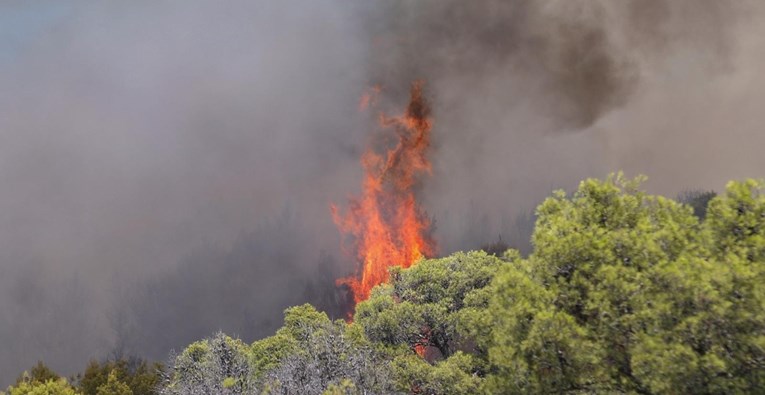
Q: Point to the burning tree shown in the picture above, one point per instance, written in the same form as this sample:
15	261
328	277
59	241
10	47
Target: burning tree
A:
386	223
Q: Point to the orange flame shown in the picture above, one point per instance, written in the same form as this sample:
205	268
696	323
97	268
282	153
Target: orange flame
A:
386	223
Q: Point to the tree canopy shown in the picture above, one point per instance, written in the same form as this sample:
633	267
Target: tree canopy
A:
628	292
48	387
624	292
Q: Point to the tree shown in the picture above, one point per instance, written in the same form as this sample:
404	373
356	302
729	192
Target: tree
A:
624	293
628	292
422	306
218	365
49	387
452	376
434	310
113	386
345	387
311	354
737	223
141	377
735	227
39	372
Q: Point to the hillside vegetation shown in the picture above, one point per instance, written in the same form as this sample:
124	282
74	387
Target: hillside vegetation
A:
624	292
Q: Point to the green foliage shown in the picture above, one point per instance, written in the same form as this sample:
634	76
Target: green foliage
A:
113	386
454	375
299	323
345	387
141	377
267	353
736	227
628	292
436	308
624	293
39	372
49	387
533	348
423	306
218	365
737	222
311	354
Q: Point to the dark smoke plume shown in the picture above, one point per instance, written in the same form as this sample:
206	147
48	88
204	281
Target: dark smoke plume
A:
565	49
535	95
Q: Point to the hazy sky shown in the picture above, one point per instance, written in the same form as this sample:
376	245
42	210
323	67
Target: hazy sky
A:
167	167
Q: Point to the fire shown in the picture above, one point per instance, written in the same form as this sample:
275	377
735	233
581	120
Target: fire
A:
386	223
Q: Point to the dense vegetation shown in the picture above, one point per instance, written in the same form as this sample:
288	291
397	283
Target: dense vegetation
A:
114	376
624	292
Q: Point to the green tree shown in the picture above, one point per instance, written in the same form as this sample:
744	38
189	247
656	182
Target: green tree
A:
49	387
311	354
422	307
114	386
218	365
533	347
141	377
628	292
737	223
40	372
735	226
345	387
624	293
436	310
452	376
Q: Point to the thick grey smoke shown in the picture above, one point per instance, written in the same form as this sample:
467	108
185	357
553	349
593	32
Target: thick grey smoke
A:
531	96
167	168
148	147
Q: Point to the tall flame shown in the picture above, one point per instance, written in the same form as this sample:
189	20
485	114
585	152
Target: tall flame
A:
387	225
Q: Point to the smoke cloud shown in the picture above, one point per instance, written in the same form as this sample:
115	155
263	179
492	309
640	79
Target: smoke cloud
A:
531	96
167	170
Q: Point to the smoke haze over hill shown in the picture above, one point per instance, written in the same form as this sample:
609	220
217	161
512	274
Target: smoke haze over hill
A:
167	170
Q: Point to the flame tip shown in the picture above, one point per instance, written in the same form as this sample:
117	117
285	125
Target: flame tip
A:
388	227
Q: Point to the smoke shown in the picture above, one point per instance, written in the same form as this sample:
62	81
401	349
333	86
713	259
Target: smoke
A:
167	169
532	96
563	49
156	160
